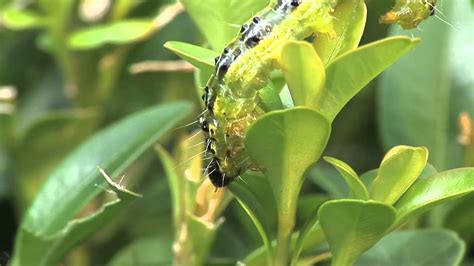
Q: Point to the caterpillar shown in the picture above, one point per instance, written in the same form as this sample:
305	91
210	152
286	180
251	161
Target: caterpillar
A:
231	94
409	13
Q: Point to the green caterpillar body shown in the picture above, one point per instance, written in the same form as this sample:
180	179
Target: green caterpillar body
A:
231	95
409	13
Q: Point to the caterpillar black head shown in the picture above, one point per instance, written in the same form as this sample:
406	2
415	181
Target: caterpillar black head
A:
217	177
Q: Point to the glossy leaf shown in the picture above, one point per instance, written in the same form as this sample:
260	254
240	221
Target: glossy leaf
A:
118	33
199	57
303	71
352	179
400	167
15	19
368	177
285	143
353	226
422	107
416	247
76	181
220	21
426	193
349	23
349	73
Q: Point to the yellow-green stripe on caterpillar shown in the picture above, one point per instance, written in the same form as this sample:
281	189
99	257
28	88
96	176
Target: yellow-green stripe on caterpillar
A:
231	95
409	13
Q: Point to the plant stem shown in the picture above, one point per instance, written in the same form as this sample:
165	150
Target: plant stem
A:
286	223
316	259
58	31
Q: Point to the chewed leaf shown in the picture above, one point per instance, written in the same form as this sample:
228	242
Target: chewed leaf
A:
49	249
349	25
197	56
118	188
76	182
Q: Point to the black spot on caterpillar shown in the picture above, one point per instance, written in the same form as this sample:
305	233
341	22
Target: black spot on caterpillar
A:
409	13
231	94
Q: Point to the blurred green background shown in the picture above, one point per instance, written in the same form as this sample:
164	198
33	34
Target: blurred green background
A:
70	68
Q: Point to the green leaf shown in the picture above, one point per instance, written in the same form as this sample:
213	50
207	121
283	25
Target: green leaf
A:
368	178
270	99
352	179
426	193
421	96
75	182
40	140
117	33
15	19
255	195
304	72
349	23
460	216
176	184
399	169
285	144
329	180
349	73
416	247
353	226
308	206
313	237
199	57
154	250
219	20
